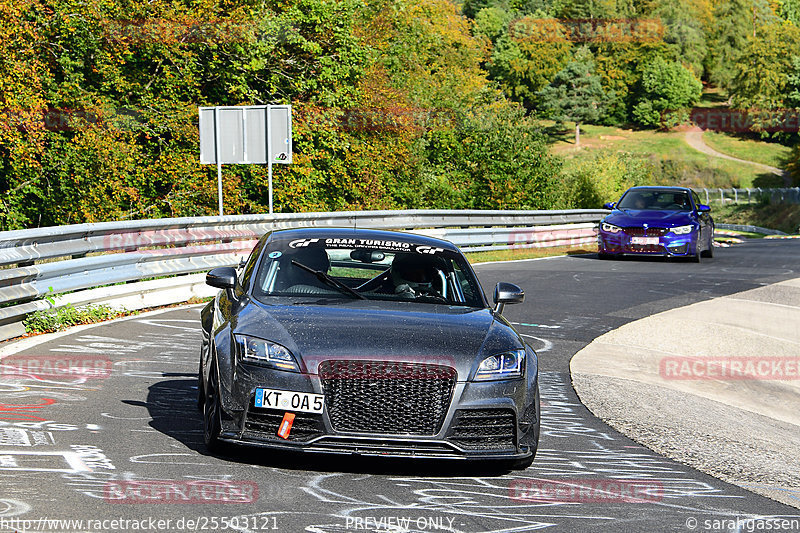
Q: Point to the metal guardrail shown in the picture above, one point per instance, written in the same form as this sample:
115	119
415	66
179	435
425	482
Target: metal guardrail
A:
749	228
106	262
752	195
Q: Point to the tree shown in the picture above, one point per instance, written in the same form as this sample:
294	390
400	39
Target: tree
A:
525	59
734	22
683	31
765	67
575	94
665	86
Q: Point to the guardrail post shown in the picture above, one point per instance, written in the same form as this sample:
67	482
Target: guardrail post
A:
721	197
707	200
735	196
748	195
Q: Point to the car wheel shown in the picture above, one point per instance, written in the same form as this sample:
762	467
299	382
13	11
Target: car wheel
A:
212	412
696	257
710	251
201	392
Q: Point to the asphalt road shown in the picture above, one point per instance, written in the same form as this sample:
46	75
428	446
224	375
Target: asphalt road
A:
123	442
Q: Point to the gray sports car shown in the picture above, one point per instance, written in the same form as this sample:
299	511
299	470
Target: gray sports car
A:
365	342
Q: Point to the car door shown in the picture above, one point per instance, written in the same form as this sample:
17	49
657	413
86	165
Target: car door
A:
703	218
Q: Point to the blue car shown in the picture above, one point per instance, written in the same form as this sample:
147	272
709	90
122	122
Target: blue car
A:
665	221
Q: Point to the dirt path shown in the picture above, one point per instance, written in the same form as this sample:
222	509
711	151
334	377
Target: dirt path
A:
694	138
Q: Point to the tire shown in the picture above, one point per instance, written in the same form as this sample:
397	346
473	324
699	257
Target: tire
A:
710	251
212	412
201	390
696	257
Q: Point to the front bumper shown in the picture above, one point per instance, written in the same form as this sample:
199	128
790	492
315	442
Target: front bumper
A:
669	244
483	420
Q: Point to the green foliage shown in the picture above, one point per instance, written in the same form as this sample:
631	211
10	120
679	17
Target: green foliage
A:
664	87
495	159
766	66
66	316
523	64
602	179
492	22
575	94
684	32
734	22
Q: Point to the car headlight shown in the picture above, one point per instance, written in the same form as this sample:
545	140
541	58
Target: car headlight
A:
683	230
267	353
502	366
611	228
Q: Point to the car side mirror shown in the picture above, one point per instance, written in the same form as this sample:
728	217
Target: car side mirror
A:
609	205
222	278
507	293
701	208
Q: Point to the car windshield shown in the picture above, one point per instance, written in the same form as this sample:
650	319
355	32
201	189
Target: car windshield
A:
656	200
364	269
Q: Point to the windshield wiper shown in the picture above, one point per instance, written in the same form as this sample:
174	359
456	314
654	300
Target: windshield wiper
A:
331	282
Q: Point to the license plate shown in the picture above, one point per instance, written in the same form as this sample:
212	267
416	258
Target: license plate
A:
286	400
644	240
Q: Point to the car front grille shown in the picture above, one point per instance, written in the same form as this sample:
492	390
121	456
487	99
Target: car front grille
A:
387	397
645	232
264	424
483	429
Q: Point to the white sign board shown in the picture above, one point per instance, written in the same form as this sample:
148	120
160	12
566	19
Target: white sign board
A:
246	135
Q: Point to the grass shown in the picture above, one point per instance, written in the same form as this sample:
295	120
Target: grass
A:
656	146
783	217
744	147
67	316
528	253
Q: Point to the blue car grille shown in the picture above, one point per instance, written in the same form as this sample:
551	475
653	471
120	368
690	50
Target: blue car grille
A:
387	397
645	232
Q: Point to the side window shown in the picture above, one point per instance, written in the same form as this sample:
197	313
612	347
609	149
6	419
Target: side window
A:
696	198
251	264
466	289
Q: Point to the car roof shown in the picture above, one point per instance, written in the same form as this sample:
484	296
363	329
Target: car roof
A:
358	233
659	188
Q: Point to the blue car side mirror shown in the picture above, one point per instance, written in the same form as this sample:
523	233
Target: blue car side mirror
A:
609	205
701	208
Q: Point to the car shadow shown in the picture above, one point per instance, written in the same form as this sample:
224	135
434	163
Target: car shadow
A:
172	405
638	258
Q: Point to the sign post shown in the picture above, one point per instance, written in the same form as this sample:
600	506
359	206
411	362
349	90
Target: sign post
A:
245	135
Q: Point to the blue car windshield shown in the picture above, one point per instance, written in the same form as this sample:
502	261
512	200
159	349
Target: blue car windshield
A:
662	200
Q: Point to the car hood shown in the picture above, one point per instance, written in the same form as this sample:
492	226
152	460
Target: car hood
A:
633	217
429	333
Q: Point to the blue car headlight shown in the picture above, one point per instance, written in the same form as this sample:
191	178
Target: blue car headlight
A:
253	350
611	228
683	230
502	366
